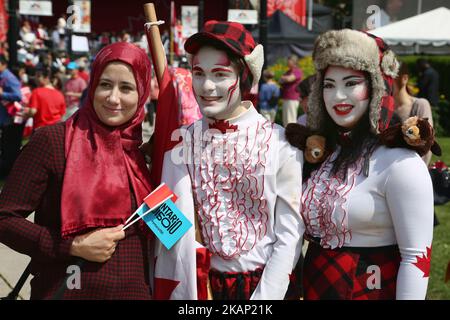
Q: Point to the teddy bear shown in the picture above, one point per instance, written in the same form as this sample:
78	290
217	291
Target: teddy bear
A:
414	133
315	151
313	146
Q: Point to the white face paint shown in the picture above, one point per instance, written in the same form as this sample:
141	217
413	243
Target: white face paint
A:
346	95
215	81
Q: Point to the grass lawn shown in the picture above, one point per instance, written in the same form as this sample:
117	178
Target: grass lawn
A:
437	289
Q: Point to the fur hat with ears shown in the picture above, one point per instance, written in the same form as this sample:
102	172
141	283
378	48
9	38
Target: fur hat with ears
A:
358	51
233	36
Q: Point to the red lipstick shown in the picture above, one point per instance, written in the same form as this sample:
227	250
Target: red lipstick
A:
343	109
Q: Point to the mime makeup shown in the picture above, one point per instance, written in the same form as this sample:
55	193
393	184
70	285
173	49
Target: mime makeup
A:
346	95
215	82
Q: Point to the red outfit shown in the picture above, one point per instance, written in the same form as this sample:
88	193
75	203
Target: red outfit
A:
341	274
50	106
35	184
97	184
78	176
84	75
76	85
289	89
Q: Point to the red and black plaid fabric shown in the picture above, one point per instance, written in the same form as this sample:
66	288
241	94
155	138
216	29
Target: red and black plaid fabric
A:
232	34
342	274
387	102
34	184
234	285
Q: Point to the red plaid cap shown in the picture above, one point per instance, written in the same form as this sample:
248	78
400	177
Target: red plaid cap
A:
231	34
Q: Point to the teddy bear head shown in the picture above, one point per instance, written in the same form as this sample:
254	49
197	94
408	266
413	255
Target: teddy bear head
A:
315	149
412	133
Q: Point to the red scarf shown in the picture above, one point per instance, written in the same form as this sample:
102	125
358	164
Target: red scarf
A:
104	163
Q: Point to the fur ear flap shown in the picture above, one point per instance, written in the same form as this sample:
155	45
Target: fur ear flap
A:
296	135
389	64
255	62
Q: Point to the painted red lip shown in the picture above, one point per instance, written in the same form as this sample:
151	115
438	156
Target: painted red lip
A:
343	109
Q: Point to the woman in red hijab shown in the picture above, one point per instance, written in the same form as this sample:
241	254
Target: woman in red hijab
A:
84	178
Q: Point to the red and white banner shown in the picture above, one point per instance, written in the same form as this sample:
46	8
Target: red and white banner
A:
3	21
294	9
177	31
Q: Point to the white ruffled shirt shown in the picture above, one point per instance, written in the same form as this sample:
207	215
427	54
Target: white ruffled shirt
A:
393	205
246	183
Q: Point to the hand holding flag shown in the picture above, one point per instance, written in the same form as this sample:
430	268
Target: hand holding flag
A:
166	221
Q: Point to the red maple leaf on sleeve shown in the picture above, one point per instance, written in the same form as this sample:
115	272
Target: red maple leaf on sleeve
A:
423	263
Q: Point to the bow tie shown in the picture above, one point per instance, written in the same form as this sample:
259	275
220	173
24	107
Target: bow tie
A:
223	126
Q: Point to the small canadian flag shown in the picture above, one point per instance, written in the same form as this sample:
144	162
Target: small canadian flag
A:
159	195
153	200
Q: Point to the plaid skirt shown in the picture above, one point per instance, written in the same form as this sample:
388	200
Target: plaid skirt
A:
234	285
350	273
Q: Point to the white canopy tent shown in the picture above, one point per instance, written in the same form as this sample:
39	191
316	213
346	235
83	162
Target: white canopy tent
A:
427	33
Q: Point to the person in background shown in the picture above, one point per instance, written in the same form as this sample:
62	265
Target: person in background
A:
428	82
27	85
47	105
268	96
56	81
10	126
408	106
153	101
125	37
26	33
390	11
304	88
73	89
82	71
289	82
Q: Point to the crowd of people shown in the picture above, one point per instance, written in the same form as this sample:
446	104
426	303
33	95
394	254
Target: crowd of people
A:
47	86
253	190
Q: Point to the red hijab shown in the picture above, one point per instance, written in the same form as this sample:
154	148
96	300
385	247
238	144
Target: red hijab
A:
104	163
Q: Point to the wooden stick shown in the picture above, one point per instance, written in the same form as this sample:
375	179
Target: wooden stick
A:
154	42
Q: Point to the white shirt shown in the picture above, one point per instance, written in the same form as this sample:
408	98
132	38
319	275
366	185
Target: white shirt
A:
247	184
393	205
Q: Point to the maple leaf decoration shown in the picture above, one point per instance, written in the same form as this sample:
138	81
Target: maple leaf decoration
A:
423	263
223	126
163	287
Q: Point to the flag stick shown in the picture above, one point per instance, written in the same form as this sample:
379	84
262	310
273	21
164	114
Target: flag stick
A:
159	187
154	42
147	212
